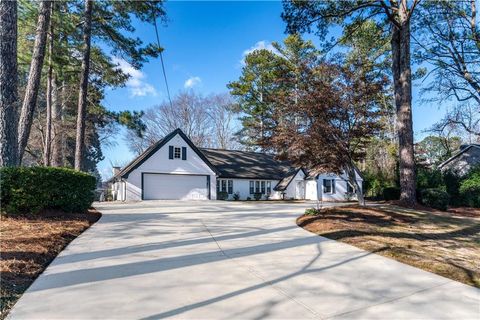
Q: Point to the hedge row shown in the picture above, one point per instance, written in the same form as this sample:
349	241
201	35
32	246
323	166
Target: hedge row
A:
32	189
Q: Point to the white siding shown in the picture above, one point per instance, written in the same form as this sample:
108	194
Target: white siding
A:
311	190
340	187
160	163
242	186
291	191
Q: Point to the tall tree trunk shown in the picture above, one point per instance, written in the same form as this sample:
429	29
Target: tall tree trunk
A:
402	78
82	96
57	128
8	83
34	76
50	85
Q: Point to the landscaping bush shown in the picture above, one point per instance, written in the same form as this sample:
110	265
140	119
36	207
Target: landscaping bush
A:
257	196
391	193
311	212
470	188
452	186
236	196
429	178
32	189
222	195
435	198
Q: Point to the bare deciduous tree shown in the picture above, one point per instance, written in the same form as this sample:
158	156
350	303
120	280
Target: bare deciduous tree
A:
448	37
463	120
223	120
207	121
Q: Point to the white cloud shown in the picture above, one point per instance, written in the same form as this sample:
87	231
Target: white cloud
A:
136	84
192	82
264	44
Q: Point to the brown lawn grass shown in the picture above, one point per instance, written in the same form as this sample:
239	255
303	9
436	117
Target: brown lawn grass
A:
29	244
447	244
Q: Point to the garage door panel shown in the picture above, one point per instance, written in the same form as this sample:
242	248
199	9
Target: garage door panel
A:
174	187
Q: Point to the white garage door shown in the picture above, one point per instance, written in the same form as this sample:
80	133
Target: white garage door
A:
174	187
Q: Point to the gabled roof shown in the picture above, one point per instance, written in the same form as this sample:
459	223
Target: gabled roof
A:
247	165
155	147
285	182
460	152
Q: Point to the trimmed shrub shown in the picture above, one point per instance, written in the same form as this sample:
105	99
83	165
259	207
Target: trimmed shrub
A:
452	186
257	196
32	189
435	198
311	212
236	196
470	189
391	193
429	178
222	195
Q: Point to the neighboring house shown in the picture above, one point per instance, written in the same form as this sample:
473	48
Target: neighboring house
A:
467	157
174	168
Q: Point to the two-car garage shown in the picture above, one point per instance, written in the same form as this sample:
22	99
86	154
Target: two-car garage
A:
160	186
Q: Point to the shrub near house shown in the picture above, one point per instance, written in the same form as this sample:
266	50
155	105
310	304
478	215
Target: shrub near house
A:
470	188
32	189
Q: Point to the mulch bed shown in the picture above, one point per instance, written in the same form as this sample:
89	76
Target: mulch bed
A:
29	243
446	243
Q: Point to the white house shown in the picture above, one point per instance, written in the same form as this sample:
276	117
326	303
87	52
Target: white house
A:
174	168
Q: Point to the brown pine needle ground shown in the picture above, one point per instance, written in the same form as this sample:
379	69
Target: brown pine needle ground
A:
447	244
29	244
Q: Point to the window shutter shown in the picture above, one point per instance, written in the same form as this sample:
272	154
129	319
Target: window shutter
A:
170	152
333	185
184	153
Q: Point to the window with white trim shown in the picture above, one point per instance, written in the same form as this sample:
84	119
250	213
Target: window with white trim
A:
260	186
224	185
329	186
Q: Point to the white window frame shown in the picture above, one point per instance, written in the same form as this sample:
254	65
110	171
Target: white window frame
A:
175	149
260	186
223	185
332	186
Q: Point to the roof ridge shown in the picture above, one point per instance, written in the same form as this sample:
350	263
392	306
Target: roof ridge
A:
246	151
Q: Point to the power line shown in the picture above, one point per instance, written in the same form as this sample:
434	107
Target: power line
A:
161	57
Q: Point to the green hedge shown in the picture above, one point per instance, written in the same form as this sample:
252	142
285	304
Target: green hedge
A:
470	189
435	198
32	189
222	195
391	193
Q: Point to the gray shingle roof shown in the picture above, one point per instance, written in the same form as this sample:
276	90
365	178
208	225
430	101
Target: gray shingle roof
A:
245	164
283	184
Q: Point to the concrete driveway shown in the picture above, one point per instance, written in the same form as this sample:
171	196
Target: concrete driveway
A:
224	260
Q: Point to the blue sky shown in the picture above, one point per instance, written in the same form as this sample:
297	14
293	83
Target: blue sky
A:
204	44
